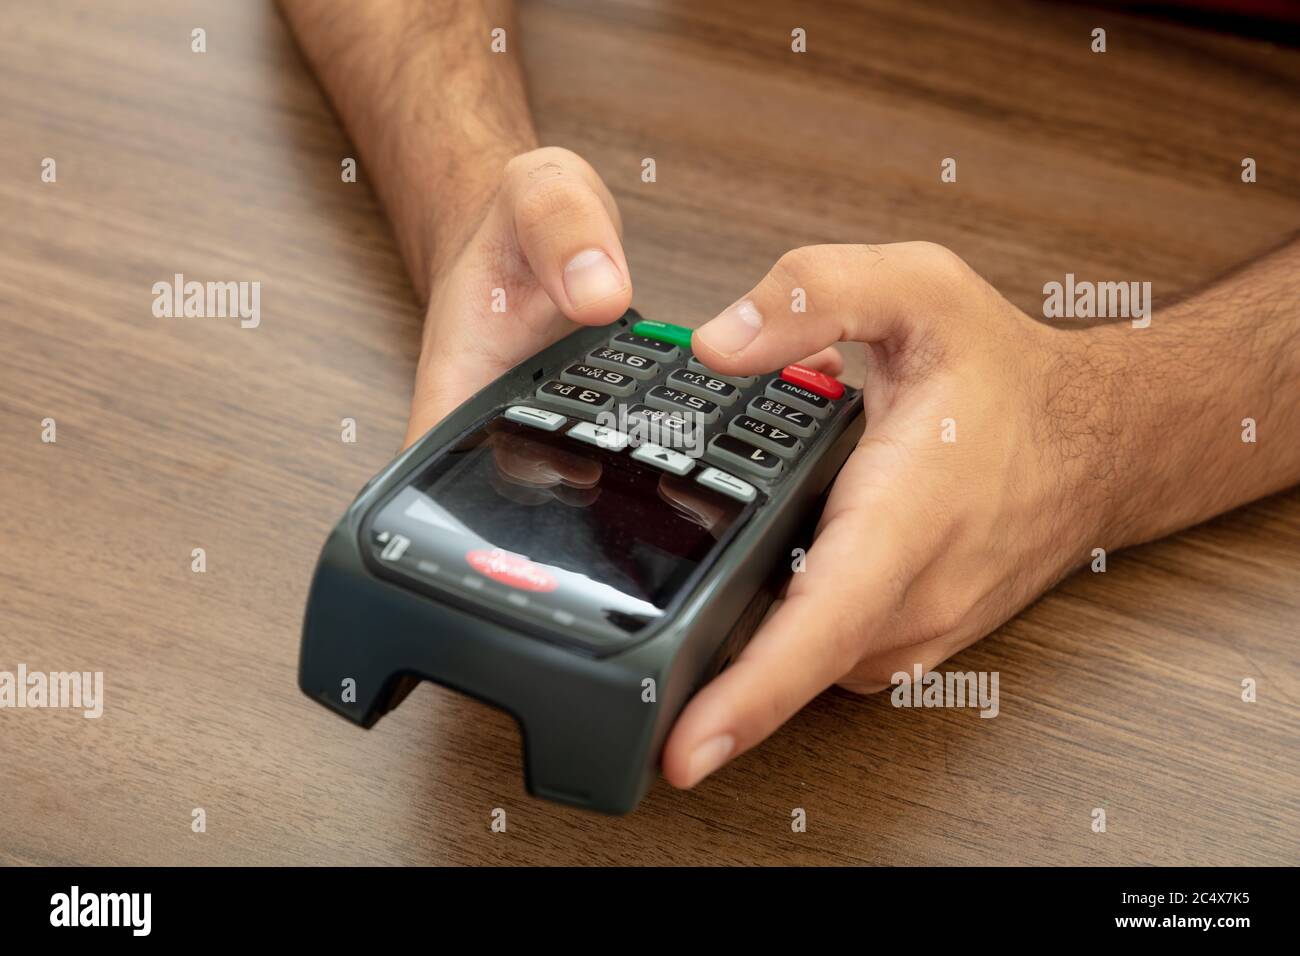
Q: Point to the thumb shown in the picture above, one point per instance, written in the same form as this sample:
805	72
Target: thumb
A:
859	568
567	228
818	295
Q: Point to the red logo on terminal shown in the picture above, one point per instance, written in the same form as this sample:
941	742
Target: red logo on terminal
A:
512	569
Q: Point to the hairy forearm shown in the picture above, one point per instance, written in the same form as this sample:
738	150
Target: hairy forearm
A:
434	113
1210	373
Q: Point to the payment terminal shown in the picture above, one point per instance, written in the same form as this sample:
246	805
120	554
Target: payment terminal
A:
583	544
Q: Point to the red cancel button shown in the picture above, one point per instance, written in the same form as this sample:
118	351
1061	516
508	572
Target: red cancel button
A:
814	381
512	569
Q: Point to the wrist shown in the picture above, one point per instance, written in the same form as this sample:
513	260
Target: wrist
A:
444	136
1181	399
1099	424
1130	491
438	217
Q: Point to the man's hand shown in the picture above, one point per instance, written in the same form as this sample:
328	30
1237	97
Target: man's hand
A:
998	453
510	246
546	258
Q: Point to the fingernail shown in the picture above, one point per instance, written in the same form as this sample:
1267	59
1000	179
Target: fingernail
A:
731	331
591	276
709	756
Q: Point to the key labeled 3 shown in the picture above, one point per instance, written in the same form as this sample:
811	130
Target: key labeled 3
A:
575	397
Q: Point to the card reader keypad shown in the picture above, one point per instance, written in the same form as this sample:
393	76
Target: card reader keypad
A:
754	428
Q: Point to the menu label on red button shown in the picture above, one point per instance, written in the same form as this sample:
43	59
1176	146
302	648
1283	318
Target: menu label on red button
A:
814	381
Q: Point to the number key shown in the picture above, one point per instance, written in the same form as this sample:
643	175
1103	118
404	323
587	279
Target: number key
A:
740	381
782	415
730	451
676	400
575	397
615	383
621	360
706	386
765	435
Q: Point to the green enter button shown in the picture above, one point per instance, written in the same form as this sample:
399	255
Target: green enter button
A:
677	335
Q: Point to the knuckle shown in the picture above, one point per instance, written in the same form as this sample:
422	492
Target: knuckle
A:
847	639
936	623
870	673
777	708
940	262
798	268
855	685
881	670
542	162
546	201
840	620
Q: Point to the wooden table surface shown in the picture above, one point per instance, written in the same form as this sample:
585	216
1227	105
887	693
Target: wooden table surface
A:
1119	691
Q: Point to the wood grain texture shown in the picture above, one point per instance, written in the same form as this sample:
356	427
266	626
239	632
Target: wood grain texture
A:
1119	690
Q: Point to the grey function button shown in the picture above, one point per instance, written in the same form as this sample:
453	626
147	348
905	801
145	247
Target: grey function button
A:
536	417
665	458
598	435
729	485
